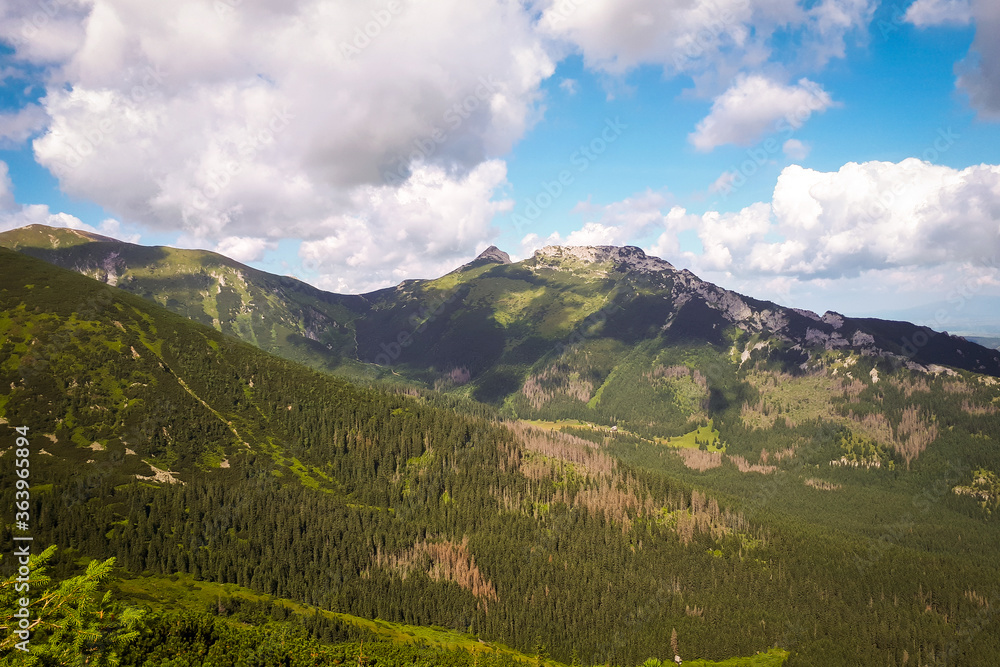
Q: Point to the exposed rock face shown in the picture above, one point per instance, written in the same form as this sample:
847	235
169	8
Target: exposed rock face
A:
494	254
626	256
835	320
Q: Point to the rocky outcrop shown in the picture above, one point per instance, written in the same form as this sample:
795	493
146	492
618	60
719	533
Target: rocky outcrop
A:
624	257
493	254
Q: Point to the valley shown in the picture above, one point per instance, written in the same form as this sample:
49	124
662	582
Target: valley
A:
564	460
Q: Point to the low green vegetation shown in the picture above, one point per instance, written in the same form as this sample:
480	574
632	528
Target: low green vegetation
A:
757	528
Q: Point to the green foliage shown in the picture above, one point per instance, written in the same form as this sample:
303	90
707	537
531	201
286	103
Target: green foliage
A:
72	623
330	487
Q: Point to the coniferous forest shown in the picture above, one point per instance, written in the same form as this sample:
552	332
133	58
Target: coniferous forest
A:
178	451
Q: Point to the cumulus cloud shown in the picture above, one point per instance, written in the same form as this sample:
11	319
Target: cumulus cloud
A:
755	105
979	72
276	119
43	33
863	217
244	248
616	36
795	149
424	228
238	123
822	226
620	223
923	13
830	22
7	202
17	127
880	214
699	36
14	215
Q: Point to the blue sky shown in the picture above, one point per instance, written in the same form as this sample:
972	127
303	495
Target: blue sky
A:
825	154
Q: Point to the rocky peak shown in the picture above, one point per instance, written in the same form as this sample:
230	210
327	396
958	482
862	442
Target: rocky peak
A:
493	254
628	256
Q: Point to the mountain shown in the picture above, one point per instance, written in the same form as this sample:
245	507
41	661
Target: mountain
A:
845	511
492	329
279	314
985	341
966	312
172	448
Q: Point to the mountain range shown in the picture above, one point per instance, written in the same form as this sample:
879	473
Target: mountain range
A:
491	328
575	456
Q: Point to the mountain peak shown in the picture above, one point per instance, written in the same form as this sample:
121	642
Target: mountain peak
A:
43	236
631	256
493	254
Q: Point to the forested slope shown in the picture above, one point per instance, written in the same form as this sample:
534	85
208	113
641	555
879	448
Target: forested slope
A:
176	449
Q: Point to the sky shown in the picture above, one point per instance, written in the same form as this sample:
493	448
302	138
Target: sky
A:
824	154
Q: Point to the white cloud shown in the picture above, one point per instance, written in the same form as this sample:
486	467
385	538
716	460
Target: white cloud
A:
830	22
43	33
617	35
7	202
14	215
924	13
881	214
864	217
979	72
39	214
700	36
570	86
622	223
724	183
278	119
755	105
244	248
795	149
821	226
425	228
114	229
17	127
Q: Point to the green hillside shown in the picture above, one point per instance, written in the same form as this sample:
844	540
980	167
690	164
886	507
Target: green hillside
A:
844	510
172	448
278	314
572	333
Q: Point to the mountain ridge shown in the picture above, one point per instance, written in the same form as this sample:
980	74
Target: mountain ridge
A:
629	295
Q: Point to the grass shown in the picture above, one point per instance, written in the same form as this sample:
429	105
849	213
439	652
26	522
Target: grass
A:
689	440
179	592
798	399
775	657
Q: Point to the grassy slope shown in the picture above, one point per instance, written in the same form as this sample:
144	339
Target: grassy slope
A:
182	592
279	314
60	328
